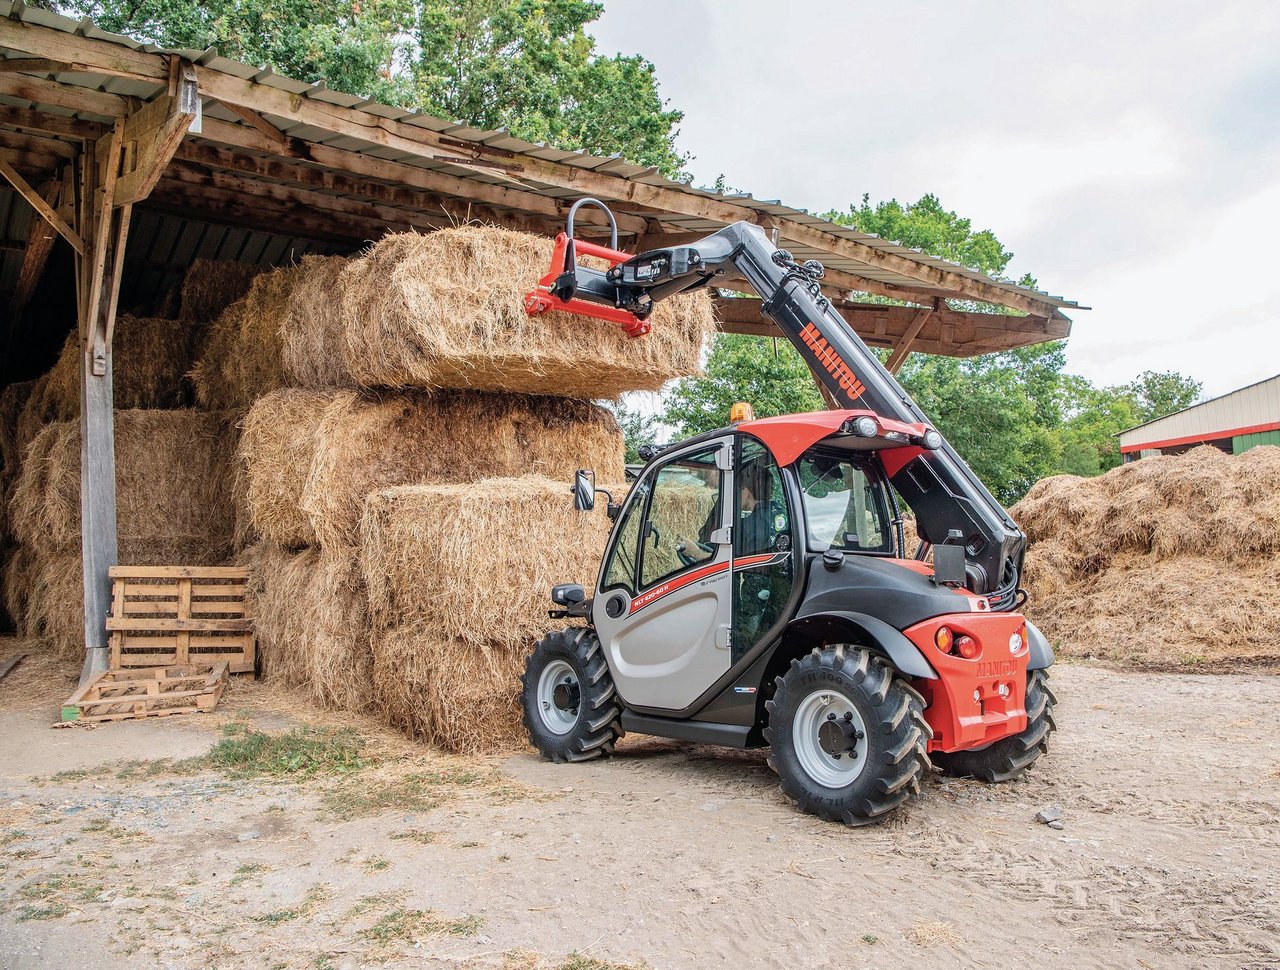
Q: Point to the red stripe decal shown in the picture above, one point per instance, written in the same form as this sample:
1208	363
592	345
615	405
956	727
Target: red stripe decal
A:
702	572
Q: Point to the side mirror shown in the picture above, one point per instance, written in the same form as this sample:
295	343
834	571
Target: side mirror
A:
584	490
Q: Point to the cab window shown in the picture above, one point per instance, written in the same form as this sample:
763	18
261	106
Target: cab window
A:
621	570
844	503
684	509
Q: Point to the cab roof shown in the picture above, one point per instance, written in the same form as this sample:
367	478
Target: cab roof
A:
788	436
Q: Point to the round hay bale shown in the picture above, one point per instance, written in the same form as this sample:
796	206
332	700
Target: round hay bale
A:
212	285
475	563
446	309
311	623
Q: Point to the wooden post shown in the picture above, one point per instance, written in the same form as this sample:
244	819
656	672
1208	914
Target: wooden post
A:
97	270
119	169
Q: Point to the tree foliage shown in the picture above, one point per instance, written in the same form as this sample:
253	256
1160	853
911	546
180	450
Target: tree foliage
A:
1015	416
525	65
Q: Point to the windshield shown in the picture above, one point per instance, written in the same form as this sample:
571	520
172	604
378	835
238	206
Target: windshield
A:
844	504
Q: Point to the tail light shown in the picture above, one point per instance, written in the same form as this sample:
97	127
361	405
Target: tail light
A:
942	639
968	647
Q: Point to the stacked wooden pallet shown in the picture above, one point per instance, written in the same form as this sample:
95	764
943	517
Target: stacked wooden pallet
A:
177	632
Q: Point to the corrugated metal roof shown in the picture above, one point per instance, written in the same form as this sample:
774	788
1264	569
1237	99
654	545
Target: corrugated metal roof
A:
1254	404
501	139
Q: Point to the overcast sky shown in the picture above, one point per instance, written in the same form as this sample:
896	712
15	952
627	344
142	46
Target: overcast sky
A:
1128	153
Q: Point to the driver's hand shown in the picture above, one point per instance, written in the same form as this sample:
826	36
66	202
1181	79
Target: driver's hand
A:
693	550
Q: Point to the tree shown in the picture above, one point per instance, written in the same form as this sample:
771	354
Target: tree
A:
1157	393
525	65
769	375
637	428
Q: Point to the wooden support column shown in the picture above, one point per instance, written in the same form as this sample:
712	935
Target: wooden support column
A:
116	171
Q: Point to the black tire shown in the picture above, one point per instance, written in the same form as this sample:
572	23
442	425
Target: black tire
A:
895	737
1009	757
596	726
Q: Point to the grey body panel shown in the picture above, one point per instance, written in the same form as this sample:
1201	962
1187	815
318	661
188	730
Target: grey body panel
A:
1039	649
666	647
831	625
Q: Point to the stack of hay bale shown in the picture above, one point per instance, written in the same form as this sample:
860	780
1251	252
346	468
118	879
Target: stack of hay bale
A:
386	441
1167	561
408	436
173	466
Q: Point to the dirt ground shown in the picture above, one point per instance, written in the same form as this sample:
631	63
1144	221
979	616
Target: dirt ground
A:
667	856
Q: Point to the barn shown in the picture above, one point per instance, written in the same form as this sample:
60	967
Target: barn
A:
125	166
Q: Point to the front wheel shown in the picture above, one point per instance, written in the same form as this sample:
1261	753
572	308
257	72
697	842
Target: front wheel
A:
848	738
1009	757
570	706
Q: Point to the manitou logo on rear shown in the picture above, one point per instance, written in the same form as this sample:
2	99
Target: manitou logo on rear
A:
832	361
995	668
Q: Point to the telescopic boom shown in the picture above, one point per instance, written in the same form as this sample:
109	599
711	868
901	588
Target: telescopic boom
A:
950	503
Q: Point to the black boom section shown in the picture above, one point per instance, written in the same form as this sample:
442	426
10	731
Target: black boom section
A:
940	488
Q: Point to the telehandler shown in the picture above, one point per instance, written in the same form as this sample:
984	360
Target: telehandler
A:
755	590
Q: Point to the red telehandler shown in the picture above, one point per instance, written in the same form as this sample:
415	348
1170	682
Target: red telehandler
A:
755	590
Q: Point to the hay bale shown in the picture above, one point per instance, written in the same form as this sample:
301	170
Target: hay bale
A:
1162	562
446	309
150	358
13	400
364	443
462	698
452	629
212	285
240	359
444	556
15	585
311	623
314	345
277	446
173	482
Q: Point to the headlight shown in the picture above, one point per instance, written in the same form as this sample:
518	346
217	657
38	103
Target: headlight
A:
932	440
866	427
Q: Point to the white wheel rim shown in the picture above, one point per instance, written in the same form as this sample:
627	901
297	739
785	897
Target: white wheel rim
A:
556	719
826	769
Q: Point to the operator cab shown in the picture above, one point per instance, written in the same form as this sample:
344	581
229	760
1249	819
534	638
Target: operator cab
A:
713	545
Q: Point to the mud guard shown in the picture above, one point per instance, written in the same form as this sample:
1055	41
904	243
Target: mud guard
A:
1038	646
831	625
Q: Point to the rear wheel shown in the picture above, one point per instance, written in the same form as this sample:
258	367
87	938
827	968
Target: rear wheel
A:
570	706
848	737
1009	757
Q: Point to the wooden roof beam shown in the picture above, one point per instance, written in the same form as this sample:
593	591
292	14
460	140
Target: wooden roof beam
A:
44	208
902	349
882	325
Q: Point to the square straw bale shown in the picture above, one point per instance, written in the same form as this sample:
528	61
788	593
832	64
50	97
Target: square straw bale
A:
446	309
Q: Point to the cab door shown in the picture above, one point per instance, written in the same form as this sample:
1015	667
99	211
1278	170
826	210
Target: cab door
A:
663	606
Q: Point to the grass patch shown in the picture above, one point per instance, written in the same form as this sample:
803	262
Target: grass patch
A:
246	872
316	895
376	863
50	911
416	791
421	836
580	961
367	904
298	752
12	835
402	925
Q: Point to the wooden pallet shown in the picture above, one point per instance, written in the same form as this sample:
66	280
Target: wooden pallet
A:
118	695
167	615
